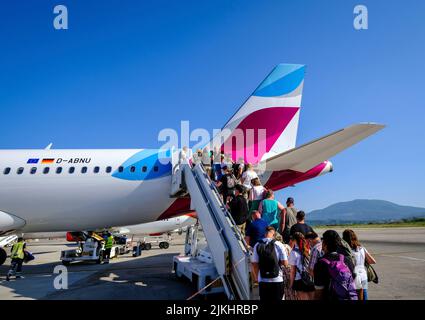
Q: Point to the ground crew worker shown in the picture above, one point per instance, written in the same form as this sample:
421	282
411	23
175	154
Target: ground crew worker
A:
108	246
17	257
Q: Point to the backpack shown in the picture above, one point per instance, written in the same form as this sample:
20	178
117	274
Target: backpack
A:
341	285
230	181
269	264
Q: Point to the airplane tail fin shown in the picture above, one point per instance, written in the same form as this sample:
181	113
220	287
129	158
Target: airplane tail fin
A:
268	120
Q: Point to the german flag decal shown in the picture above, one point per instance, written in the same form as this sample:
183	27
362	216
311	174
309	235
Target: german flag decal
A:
47	161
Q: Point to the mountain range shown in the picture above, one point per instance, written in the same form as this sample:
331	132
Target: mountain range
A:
364	211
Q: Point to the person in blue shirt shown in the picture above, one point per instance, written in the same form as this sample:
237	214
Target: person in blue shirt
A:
256	229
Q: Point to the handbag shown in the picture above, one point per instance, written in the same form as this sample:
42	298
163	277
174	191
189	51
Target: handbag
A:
306	277
28	256
371	273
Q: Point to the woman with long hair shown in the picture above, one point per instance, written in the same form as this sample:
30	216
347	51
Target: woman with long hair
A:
299	260
361	256
256	194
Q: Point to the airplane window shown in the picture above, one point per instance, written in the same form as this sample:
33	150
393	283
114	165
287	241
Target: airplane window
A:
83	169
20	170
71	170
59	170
133	169
121	169
96	170
33	170
46	170
108	169
144	169
155	168
6	171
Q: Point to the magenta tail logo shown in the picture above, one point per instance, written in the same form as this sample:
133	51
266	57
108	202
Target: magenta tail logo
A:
257	133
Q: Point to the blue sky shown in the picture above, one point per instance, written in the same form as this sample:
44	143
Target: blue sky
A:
127	69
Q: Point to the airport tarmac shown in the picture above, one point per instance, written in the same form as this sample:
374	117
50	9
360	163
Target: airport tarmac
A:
400	253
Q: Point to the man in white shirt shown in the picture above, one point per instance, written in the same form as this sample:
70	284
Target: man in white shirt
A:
267	264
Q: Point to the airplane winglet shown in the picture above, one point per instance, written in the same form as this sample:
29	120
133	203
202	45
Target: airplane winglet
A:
49	146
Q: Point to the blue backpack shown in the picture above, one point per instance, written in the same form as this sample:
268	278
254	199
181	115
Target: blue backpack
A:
342	283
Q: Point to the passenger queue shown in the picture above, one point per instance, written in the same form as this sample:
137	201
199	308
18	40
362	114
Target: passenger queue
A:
289	259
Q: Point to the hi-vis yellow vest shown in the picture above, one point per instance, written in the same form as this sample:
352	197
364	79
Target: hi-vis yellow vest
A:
18	250
109	242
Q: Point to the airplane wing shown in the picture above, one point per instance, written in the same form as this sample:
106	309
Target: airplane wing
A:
307	156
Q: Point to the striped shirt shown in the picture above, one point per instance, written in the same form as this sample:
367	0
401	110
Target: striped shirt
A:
316	254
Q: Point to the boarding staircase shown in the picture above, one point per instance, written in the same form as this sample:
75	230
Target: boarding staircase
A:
227	246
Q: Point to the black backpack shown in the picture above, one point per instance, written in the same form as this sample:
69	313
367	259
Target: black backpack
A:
268	261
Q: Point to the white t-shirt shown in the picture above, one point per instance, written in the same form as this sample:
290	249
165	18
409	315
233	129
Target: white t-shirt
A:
247	176
281	256
258	192
295	260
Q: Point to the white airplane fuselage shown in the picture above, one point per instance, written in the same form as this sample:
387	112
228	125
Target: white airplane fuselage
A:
48	202
81	201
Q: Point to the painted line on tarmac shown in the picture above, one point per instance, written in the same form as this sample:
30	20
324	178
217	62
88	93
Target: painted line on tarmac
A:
402	257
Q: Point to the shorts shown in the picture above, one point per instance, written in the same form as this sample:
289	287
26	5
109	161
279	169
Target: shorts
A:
300	286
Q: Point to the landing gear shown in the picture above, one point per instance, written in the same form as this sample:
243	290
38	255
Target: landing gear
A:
3	256
164	245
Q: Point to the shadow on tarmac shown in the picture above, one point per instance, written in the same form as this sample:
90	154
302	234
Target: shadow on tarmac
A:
141	278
